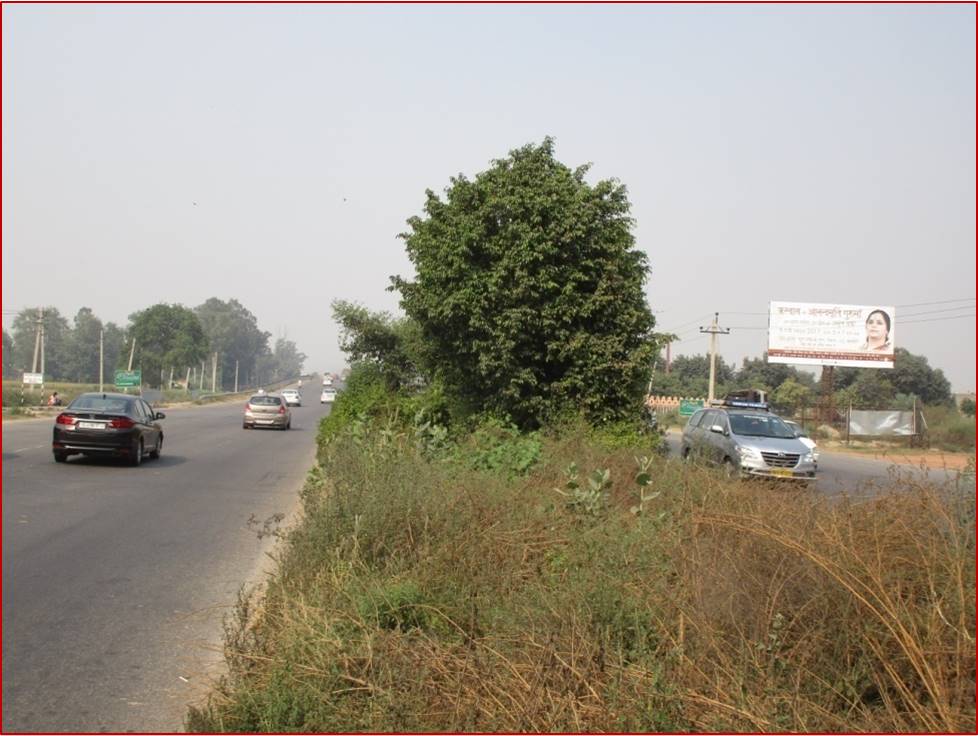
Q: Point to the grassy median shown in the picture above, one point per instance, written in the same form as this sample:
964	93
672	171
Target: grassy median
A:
565	582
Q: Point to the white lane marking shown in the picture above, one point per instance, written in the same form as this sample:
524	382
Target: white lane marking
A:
36	447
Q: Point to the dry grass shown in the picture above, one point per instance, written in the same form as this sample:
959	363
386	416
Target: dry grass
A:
420	596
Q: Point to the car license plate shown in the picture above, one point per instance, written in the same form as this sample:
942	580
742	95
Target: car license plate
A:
782	473
91	425
264	421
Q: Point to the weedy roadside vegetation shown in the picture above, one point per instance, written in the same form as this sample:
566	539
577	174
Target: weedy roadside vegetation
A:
488	580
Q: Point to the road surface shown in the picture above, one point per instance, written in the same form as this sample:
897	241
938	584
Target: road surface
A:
116	579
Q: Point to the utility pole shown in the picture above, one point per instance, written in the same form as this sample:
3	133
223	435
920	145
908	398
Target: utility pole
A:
132	352
235	376
713	330
101	360
37	341
187	382
202	387
42	357
214	375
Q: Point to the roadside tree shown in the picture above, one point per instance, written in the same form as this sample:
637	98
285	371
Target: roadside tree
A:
392	345
167	336
56	331
8	356
528	291
232	332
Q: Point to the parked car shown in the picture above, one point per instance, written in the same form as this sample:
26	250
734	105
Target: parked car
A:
803	436
747	441
328	396
108	424
267	410
292	397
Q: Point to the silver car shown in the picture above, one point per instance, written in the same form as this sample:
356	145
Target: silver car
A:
748	442
267	410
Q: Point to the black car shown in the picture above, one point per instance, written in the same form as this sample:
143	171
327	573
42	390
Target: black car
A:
117	425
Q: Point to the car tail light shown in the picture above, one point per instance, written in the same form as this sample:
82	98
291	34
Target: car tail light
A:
122	423
281	410
65	419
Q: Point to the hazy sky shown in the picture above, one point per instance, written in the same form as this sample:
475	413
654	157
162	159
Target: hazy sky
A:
272	154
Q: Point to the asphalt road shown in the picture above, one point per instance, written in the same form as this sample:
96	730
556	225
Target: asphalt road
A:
840	472
116	579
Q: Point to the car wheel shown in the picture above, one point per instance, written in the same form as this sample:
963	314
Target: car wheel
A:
244	426
61	457
729	469
137	453
157	451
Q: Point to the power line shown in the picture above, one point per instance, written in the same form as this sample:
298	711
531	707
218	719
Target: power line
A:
938	311
927	304
692	321
936	319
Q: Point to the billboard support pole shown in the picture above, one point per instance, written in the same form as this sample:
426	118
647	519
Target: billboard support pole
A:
848	421
825	399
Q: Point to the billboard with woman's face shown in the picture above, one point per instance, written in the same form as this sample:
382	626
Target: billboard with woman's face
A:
831	334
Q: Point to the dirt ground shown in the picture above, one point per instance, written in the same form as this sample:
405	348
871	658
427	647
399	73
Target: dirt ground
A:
927	458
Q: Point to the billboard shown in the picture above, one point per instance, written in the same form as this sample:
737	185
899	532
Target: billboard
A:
831	334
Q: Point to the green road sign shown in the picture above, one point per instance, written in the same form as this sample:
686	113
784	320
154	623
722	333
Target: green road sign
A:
688	406
128	378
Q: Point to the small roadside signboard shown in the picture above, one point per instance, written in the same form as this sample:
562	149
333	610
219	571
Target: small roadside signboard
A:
126	379
687	407
34	379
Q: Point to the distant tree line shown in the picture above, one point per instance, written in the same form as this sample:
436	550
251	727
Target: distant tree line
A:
790	389
169	340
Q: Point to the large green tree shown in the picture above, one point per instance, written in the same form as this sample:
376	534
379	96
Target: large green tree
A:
167	336
529	291
56	348
82	360
232	332
911	374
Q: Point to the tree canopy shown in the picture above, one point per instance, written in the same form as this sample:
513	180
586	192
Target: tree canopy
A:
393	345
167	336
232	332
529	291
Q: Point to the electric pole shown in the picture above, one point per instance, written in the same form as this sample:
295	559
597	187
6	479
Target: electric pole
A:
713	330
214	375
42	356
235	376
101	360
37	341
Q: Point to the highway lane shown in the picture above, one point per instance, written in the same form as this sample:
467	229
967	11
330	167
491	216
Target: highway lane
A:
116	579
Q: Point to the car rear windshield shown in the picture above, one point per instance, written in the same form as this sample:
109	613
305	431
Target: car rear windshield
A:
760	425
265	400
103	404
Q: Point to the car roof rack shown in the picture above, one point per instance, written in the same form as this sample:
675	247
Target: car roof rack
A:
740	404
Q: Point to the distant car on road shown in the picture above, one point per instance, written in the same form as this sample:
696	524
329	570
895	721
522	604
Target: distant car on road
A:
327	380
108	424
292	397
328	396
267	410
